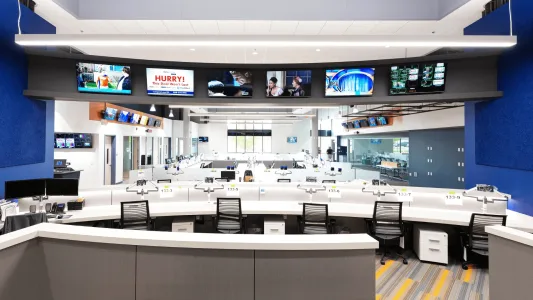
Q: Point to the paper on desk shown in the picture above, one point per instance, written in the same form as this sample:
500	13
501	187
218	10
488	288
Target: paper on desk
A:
452	198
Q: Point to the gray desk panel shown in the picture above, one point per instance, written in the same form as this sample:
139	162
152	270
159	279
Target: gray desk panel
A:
247	192
290	192
174	273
89	271
315	275
23	273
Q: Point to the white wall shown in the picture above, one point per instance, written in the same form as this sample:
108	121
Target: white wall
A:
280	133
74	117
218	138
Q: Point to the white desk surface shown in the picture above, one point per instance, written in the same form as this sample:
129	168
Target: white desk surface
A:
512	234
190	240
413	214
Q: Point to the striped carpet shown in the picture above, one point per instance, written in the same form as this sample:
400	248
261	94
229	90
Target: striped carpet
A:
418	280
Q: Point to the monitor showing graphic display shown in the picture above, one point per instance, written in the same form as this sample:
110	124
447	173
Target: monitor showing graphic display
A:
124	116
135	119
170	82
350	82
417	78
110	114
203	139
151	122
237	83
60	143
356	124
382	121
372	122
102	78
288	83
292	140
69	143
73	140
144	120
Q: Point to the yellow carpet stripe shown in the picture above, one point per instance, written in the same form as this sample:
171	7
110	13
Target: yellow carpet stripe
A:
427	297
403	289
468	274
384	268
378	297
440	282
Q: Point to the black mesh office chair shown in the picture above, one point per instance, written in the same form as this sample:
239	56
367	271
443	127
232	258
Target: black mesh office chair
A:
135	215
229	216
315	219
329	181
476	240
387	226
286	180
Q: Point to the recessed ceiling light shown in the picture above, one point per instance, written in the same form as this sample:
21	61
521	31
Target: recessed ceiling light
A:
317	50
255	52
192	49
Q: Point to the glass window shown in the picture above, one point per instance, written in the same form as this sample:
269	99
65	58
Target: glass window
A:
258	144
241	144
232	126
232	144
258	126
249	144
249	126
267	126
241	126
267	144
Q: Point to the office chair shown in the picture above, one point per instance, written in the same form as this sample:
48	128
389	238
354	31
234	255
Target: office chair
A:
222	179
386	225
135	215
315	219
229	216
476	240
285	180
329	181
202	165
164	180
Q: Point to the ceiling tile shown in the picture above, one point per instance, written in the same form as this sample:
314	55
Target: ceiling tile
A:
335	27
283	27
309	27
231	27
257	27
361	27
127	26
153	26
96	27
387	27
178	27
205	27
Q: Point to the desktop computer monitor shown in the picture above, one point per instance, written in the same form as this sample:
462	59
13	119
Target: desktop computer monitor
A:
60	163
228	174
24	188
62	187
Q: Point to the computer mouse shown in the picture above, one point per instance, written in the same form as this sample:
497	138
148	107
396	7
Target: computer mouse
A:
60	216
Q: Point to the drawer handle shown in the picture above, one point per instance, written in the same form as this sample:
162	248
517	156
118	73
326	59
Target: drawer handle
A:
182	229
434	240
274	229
434	249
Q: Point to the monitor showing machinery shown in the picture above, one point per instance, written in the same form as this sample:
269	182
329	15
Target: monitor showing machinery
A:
292	139
417	78
203	139
288	83
225	83
62	187
102	78
170	82
350	82
73	140
230	175
24	188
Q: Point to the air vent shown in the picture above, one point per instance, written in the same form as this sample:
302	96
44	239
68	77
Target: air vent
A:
492	6
29	4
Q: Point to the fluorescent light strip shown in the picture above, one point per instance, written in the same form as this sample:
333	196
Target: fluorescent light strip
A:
267	41
251	115
249	106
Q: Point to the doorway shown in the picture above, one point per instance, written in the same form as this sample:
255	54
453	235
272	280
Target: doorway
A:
109	159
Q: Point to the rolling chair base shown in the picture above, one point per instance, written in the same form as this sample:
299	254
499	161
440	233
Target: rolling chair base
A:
384	254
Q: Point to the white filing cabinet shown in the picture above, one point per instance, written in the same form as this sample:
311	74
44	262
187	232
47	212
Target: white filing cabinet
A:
183	224
430	244
274	225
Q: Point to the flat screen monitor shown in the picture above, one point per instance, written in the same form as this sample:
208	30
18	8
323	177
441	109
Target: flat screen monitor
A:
144	120
375	141
345	125
170	82
69	143
62	187
73	140
102	78
110	114
230	175
350	125
364	123
60	163
203	139
372	122
350	82
382	121
60	143
157	123
226	83
24	188
151	122
124	116
135	119
292	139
420	78
295	83
356	124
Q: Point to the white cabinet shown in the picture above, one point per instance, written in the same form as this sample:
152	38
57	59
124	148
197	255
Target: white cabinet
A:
274	225
183	224
430	245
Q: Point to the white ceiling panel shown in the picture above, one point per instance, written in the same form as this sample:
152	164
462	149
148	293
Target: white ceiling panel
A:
283	27
257	27
178	27
127	26
205	27
335	27
360	27
153	26
231	27
387	27
309	27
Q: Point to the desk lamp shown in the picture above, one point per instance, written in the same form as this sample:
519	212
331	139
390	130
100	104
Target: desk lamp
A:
376	188
142	183
483	192
209	185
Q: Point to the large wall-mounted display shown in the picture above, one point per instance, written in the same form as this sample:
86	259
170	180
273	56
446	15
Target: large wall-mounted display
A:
169	82
296	83
73	140
225	83
101	78
417	78
350	82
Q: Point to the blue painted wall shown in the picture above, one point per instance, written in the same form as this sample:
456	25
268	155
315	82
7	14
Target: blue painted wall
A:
499	133
27	126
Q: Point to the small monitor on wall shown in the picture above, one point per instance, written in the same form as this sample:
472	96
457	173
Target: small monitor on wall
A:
372	122
102	78
356	124
110	114
73	140
151	122
292	140
350	82
230	83
135	119
296	83
144	120
170	82
382	121
203	139
124	116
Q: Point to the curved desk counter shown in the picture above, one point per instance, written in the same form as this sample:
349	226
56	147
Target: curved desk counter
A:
51	261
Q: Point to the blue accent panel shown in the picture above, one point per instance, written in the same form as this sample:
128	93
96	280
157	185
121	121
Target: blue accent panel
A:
27	125
499	133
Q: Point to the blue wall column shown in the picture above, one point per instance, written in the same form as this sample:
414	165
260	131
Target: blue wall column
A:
499	133
26	125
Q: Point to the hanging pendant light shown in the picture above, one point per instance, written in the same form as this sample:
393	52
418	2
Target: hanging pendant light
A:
152	108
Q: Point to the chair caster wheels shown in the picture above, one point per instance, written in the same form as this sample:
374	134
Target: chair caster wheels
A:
404	261
382	262
465	267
